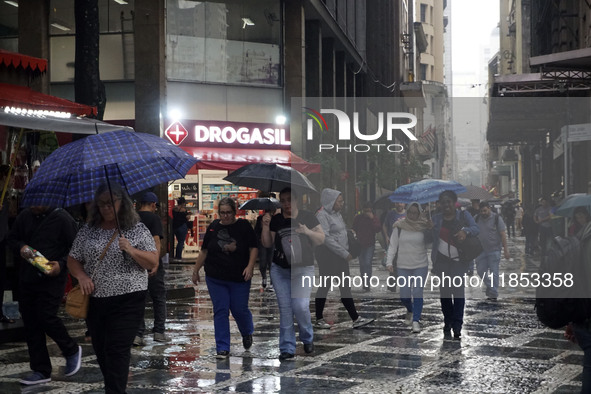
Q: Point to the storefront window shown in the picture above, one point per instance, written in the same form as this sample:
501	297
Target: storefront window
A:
116	40
234	41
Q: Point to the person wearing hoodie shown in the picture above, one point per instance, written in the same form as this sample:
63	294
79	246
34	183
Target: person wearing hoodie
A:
333	257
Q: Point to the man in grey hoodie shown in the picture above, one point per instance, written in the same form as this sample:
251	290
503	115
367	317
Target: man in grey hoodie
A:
333	257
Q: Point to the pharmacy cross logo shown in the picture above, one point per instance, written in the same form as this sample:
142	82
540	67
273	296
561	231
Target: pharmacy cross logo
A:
387	124
176	133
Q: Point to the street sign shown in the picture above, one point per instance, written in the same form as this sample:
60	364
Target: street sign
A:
578	132
176	133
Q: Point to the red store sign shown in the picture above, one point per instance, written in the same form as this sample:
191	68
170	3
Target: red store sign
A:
193	133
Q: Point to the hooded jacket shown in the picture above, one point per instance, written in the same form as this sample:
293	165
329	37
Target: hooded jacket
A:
333	224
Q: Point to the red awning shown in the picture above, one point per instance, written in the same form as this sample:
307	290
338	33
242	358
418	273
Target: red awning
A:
16	59
232	159
24	97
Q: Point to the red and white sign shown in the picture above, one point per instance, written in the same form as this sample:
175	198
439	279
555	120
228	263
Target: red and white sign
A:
226	134
176	133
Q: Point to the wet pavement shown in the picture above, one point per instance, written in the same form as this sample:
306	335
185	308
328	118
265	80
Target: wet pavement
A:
503	348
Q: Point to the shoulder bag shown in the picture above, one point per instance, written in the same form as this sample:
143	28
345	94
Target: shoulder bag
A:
76	301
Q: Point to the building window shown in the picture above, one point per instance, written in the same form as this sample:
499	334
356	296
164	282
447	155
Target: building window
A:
423	12
115	42
423	72
233	41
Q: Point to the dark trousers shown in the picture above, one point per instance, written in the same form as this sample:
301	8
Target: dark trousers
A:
452	295
157	292
265	257
330	264
113	323
545	238
39	304
181	234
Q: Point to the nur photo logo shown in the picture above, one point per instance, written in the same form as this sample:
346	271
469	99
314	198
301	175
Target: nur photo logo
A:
381	140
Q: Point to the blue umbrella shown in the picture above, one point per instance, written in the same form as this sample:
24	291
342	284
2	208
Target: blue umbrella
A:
570	203
424	191
137	161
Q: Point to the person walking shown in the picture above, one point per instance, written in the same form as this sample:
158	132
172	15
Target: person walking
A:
508	212
180	227
366	225
111	257
4	213
265	254
530	231
50	231
579	221
333	257
519	219
491	232
408	245
292	279
450	227
542	217
148	204
229	253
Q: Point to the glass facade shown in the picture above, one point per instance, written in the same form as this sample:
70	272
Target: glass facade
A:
231	42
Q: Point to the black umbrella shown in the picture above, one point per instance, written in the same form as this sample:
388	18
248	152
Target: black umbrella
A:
270	178
265	204
476	193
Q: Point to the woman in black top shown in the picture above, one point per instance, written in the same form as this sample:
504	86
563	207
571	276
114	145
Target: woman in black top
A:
229	252
180	226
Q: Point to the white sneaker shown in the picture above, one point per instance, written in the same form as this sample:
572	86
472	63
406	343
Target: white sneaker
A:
408	318
416	327
322	324
361	321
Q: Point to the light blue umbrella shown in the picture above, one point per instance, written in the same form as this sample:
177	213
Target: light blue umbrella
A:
568	205
424	191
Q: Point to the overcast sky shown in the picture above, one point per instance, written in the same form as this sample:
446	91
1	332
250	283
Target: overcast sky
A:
472	24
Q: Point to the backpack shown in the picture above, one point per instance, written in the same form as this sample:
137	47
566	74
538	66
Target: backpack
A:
558	304
289	247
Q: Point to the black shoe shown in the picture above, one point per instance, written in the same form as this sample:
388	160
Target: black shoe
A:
308	348
247	341
286	356
446	329
222	354
457	335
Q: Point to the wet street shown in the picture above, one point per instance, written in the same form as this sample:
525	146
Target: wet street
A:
503	348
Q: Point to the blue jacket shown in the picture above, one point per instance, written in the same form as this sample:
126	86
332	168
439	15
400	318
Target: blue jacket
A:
468	225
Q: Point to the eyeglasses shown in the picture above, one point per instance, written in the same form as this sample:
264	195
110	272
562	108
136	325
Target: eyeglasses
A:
226	213
105	204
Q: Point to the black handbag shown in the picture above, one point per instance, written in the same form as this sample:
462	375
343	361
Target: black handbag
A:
469	249
354	245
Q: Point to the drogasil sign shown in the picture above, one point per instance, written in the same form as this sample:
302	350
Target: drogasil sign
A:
221	134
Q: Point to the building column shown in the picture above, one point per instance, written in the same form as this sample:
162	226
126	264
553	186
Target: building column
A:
33	38
294	60
150	74
150	83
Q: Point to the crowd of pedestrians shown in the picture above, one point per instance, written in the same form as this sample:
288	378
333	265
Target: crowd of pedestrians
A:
115	258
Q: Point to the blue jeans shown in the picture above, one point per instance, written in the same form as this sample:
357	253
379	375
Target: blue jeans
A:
365	260
293	299
228	297
181	234
413	287
583	336
488	262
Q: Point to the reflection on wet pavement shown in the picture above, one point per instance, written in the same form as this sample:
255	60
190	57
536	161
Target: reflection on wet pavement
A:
503	348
